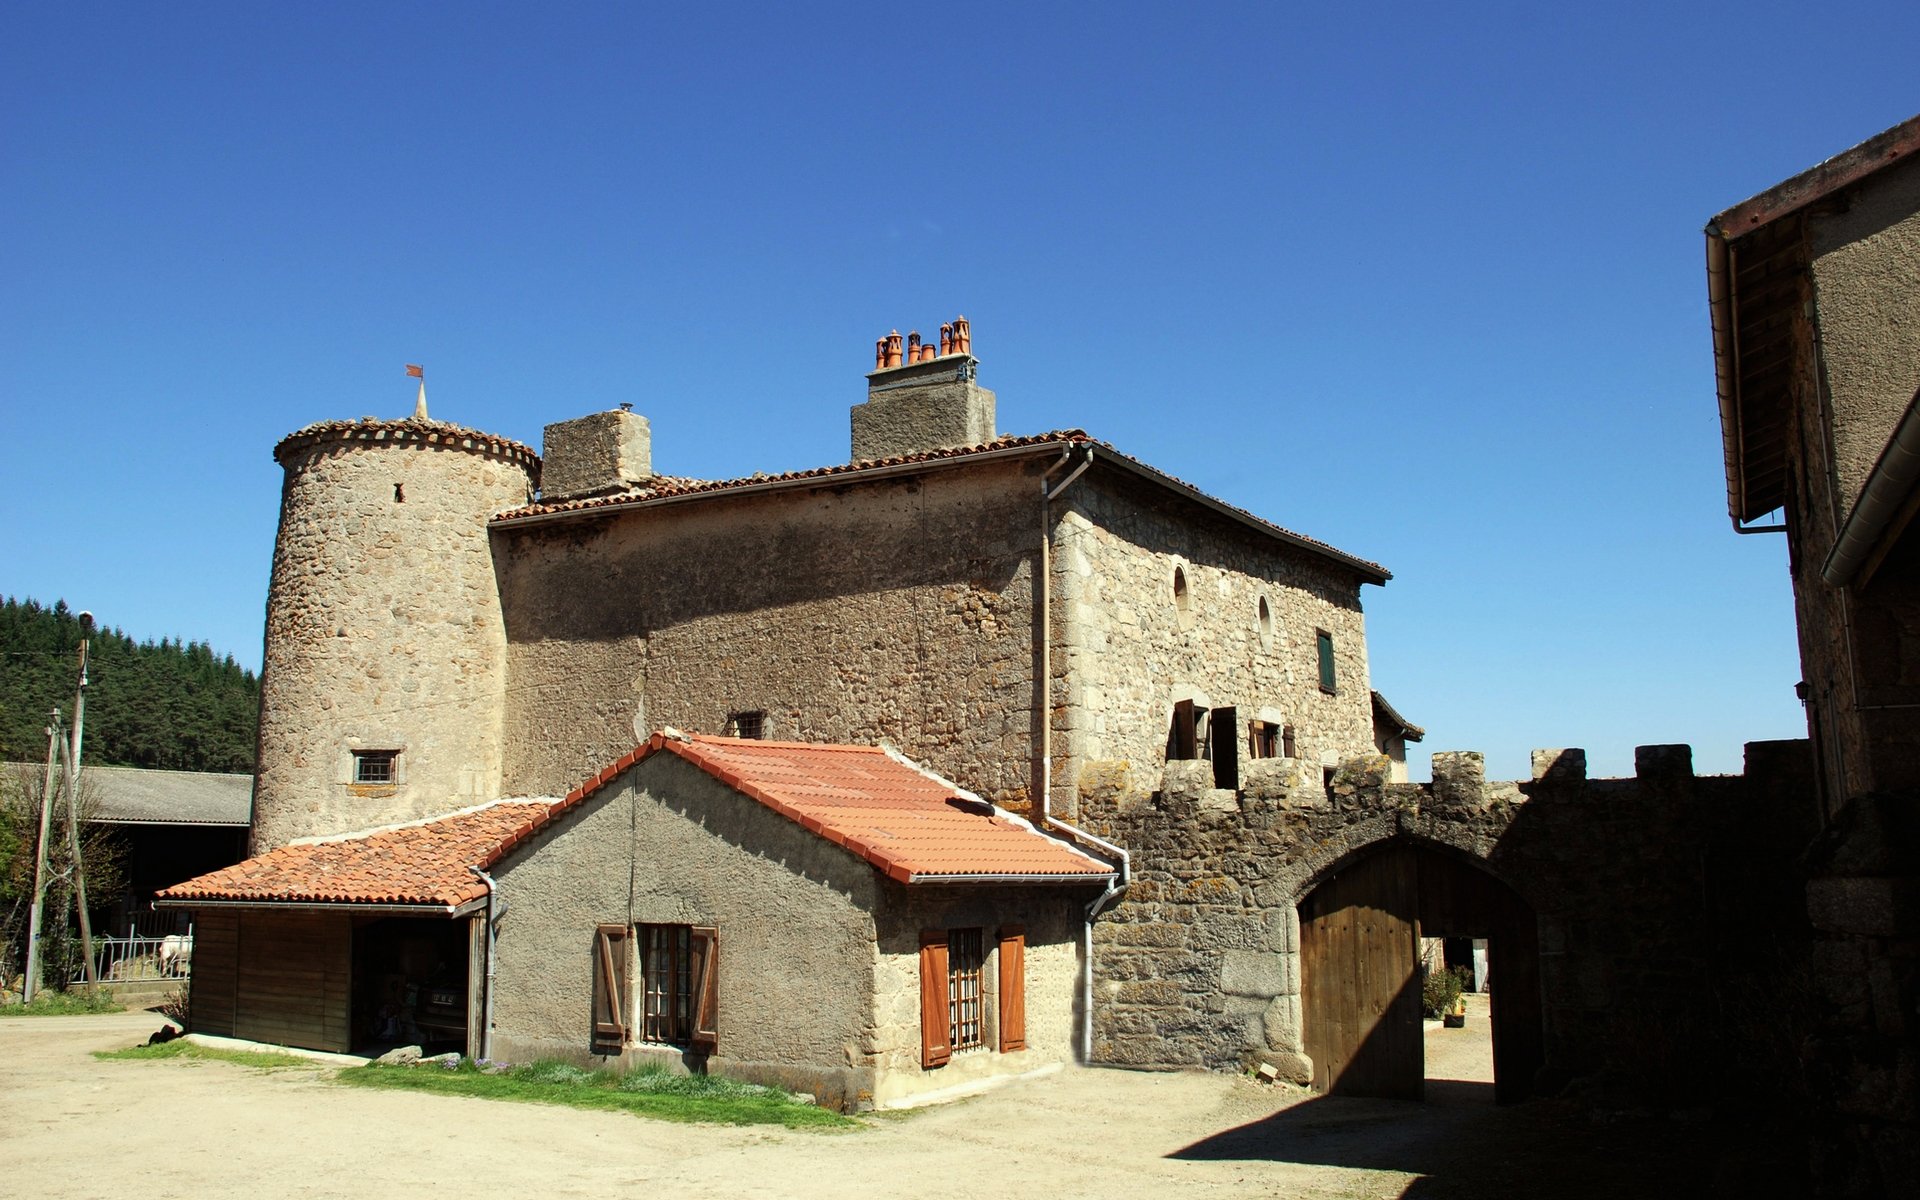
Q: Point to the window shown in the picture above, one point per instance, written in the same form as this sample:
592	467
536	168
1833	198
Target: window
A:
751	724
1264	622
1182	598
965	962
1183	735
679	988
1325	642
1263	739
1223	747
1286	742
679	984
374	766
953	1013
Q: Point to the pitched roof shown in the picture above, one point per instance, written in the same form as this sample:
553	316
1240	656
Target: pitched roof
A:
138	796
908	822
663	489
1391	715
422	865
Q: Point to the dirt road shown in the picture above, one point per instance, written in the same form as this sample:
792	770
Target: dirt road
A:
73	1126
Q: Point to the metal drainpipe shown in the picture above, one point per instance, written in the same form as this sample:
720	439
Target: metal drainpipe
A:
486	1005
1043	697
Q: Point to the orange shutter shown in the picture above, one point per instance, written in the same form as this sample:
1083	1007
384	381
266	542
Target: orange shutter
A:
610	988
706	988
936	1032
1013	988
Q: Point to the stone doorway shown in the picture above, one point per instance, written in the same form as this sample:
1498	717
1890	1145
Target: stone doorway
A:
1360	931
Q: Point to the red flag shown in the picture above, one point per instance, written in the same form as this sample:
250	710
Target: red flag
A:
418	372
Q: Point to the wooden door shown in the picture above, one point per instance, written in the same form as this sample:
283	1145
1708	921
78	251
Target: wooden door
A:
1359	960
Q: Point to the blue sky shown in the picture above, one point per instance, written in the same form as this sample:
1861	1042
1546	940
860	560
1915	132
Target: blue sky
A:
1422	281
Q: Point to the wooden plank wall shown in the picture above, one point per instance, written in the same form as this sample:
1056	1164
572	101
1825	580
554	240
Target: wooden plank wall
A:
216	952
1359	954
294	980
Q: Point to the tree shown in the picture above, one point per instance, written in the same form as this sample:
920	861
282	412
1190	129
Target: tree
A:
102	854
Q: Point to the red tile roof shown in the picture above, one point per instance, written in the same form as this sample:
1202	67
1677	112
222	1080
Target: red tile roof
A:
423	865
907	822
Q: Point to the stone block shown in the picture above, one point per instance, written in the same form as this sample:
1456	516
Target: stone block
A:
1253	973
596	454
1186	781
1270	779
1281	1023
1663	762
1560	766
1361	775
1459	776
1290	1066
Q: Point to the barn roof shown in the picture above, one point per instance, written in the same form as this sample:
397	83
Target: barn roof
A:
138	796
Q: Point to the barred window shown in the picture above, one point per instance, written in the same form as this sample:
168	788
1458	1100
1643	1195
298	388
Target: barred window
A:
965	957
373	766
751	724
678	984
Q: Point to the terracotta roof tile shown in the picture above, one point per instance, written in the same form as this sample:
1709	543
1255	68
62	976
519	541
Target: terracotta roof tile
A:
423	864
906	821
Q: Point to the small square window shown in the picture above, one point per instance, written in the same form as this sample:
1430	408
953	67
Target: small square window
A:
374	766
1324	640
748	724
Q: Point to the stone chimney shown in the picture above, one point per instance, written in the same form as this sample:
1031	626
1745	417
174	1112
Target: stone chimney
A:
922	397
596	455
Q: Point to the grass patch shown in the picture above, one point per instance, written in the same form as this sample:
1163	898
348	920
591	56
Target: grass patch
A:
262	1059
65	1004
648	1092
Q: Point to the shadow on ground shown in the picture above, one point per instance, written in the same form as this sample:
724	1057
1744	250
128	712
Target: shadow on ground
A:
1460	1144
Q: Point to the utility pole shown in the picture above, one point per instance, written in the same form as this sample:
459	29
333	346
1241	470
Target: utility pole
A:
31	983
73	802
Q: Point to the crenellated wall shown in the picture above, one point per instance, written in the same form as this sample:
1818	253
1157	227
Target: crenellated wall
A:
1663	901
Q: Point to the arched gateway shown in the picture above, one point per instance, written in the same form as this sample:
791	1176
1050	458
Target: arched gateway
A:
1360	931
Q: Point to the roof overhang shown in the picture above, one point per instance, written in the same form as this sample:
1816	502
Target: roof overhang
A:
1369	572
1099	880
1756	264
447	911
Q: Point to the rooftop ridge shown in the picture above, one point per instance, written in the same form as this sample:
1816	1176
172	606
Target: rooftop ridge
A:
404	431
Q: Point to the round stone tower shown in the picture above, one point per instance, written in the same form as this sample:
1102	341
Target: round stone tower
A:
382	689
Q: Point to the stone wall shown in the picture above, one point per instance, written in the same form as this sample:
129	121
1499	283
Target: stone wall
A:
1240	632
897	610
1664	902
383	625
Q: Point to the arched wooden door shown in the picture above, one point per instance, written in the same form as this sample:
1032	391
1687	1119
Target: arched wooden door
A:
1360	936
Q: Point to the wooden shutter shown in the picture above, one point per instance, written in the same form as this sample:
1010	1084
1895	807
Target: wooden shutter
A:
936	1033
1180	739
1013	988
610	954
706	988
1325	643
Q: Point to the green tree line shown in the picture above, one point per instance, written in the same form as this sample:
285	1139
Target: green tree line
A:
169	704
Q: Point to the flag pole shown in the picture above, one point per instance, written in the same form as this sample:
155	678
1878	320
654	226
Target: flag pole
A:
419	405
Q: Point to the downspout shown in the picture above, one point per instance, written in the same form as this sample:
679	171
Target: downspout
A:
486	1004
1043	704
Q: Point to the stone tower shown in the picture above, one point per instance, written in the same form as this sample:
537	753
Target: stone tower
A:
385	662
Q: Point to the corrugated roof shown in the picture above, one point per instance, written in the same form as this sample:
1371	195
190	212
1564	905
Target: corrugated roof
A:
137	796
419	865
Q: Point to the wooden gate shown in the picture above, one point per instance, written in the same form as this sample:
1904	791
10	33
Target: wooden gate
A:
1360	936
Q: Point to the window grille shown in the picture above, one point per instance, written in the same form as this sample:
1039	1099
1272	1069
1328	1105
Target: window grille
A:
964	959
748	724
373	766
666	1013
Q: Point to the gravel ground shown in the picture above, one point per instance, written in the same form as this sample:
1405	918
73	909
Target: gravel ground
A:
73	1126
